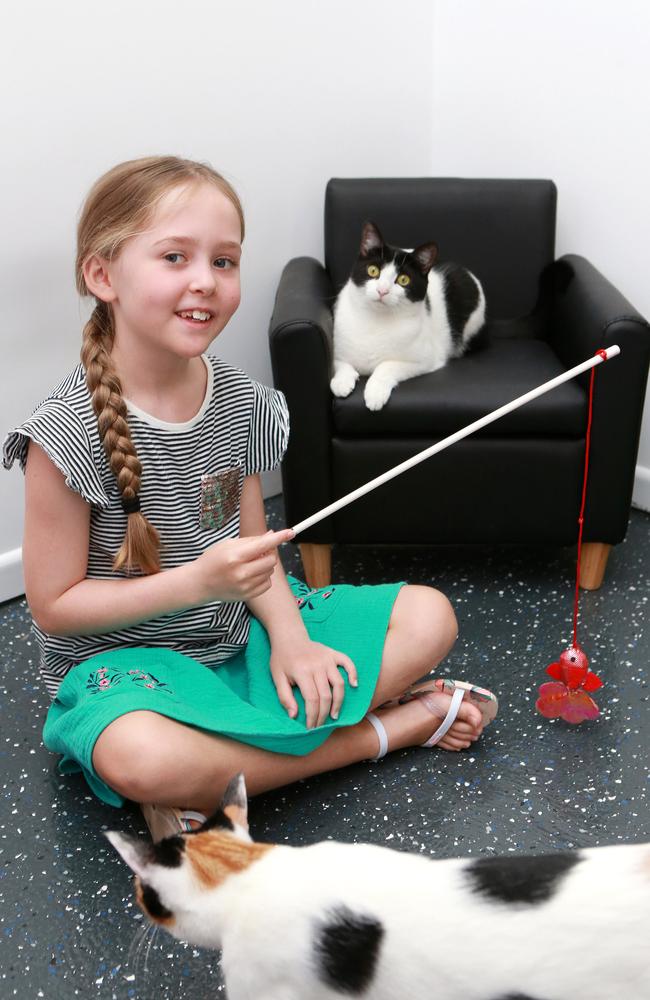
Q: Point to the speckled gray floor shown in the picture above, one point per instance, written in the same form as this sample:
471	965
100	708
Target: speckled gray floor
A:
67	923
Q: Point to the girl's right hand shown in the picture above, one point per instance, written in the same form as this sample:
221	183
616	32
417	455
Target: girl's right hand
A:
239	569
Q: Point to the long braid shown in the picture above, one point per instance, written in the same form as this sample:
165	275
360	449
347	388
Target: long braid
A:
141	546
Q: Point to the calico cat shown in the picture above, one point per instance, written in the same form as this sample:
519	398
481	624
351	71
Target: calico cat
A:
400	315
352	920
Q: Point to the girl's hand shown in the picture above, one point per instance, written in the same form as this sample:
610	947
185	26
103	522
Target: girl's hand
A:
238	569
313	668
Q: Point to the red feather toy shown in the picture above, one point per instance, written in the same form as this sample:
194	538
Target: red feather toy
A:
567	696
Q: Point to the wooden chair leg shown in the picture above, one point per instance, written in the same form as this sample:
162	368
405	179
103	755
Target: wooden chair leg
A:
317	563
593	562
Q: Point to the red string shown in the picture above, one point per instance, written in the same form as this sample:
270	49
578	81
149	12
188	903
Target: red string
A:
581	518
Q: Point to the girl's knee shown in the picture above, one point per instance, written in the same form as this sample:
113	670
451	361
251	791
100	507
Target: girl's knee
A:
127	755
427	616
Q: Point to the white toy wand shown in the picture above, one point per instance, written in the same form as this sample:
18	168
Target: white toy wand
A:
604	355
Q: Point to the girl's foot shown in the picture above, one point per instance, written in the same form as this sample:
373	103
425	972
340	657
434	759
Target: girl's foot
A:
167	821
415	721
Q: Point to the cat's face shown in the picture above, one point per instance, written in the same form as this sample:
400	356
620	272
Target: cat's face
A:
178	879
390	277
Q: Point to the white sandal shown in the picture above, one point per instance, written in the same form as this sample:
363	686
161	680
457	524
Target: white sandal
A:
166	821
444	727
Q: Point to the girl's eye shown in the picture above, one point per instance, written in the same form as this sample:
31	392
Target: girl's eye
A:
173	258
373	270
403	280
223	263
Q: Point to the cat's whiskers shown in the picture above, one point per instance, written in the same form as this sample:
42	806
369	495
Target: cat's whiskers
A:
152	938
139	933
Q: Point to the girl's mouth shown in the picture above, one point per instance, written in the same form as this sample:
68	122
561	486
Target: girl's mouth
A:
199	317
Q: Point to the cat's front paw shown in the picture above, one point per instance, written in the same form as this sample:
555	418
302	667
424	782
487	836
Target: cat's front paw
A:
344	382
377	394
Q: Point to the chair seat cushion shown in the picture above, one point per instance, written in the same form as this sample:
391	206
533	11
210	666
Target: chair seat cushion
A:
468	388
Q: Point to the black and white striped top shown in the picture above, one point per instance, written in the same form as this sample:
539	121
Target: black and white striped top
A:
242	427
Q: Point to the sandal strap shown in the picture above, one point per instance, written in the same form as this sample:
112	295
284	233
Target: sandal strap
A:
448	720
382	736
186	815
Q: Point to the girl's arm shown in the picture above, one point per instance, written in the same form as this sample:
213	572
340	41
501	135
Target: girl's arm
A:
55	562
295	659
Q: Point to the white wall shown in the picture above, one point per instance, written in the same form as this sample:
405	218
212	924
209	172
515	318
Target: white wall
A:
559	89
279	96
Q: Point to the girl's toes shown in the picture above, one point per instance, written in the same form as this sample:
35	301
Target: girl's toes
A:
449	742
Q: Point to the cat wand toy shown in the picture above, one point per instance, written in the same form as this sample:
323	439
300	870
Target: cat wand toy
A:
567	696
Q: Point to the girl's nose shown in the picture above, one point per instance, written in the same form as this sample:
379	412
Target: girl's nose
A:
203	280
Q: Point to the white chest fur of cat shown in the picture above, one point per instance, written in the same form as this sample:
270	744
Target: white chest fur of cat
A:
400	315
334	921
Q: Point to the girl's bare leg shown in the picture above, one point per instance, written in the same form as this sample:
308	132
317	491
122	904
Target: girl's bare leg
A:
150	758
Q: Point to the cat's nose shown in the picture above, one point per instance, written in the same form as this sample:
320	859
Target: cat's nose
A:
382	291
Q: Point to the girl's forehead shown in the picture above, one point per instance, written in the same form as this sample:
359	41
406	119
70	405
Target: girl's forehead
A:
201	206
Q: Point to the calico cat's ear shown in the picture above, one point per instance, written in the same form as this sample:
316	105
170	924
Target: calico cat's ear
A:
136	853
425	256
235	801
371	239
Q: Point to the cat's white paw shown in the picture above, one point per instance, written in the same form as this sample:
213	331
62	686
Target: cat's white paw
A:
377	394
343	383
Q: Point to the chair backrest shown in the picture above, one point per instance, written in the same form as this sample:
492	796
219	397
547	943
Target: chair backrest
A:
502	230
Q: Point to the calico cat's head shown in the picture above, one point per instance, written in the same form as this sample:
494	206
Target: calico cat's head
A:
388	276
178	879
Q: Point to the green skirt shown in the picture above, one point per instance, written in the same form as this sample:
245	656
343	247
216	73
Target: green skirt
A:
236	699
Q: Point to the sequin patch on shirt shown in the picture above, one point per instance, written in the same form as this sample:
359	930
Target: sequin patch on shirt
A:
219	497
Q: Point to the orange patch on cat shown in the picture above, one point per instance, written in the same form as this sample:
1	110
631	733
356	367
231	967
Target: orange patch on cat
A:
214	858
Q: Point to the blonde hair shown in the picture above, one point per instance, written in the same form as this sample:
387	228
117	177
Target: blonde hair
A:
119	206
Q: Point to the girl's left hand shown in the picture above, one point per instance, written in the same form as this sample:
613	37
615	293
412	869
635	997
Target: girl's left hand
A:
313	668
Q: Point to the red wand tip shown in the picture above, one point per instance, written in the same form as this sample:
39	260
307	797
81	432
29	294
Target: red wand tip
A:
566	697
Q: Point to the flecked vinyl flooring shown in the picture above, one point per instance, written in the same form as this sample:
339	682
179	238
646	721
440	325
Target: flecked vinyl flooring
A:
68	926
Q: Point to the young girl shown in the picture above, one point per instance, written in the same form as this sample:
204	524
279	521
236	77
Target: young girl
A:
175	649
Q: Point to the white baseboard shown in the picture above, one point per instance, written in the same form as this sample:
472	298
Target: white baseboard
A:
641	494
11	575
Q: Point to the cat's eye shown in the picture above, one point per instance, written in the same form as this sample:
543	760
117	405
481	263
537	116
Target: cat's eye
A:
373	270
403	280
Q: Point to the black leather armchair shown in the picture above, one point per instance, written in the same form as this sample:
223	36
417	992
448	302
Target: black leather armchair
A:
517	481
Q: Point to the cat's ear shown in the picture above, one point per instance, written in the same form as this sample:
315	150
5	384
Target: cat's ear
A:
425	256
235	801
136	853
371	239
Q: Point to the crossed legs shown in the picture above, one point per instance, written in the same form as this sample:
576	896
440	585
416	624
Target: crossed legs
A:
149	758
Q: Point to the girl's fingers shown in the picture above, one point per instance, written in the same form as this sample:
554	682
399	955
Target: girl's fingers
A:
309	691
344	661
285	696
325	699
338	692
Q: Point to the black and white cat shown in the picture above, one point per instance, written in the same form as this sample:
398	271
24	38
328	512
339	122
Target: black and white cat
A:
400	315
332	921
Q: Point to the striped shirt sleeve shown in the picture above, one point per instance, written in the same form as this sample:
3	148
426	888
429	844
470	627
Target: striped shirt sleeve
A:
269	430
62	435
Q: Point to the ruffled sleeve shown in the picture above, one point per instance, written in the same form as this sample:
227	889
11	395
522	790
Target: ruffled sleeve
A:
269	430
64	438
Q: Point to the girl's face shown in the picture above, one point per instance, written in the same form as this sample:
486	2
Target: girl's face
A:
174	286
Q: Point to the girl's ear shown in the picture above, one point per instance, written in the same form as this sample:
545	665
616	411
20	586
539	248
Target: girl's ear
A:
136	853
97	277
235	802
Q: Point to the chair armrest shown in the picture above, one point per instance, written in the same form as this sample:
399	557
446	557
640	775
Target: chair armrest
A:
587	312
300	338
